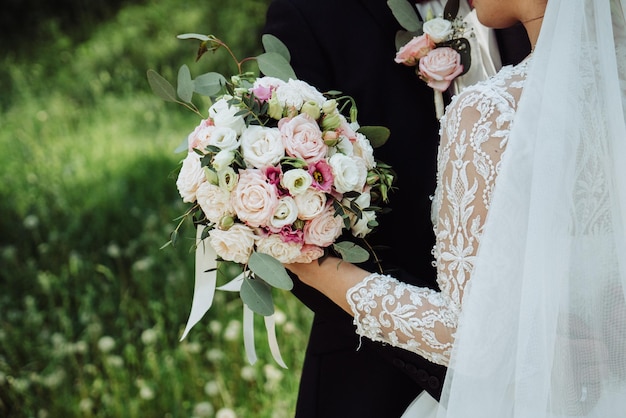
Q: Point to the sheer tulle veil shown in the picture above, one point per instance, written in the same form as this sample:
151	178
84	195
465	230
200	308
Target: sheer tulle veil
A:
543	328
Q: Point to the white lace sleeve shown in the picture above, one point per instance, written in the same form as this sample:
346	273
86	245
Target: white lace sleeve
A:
474	134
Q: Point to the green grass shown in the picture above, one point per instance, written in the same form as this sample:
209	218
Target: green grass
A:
91	308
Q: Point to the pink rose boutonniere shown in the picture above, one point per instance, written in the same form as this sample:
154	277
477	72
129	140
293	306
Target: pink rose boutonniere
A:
436	47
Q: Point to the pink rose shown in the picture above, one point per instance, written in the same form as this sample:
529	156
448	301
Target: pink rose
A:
254	199
324	229
302	138
309	253
414	50
440	67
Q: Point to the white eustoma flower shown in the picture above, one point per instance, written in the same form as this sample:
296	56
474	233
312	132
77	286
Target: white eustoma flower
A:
297	181
349	173
190	177
222	160
261	146
359	226
225	138
223	115
227	178
362	148
285	214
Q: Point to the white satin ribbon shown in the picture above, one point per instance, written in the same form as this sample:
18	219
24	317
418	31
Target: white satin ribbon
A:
204	291
206	279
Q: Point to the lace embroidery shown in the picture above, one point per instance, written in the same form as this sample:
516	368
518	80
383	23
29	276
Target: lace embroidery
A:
423	320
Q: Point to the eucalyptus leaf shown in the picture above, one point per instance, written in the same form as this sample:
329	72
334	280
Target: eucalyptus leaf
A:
272	44
403	38
405	14
198	36
377	135
351	252
273	64
161	87
185	85
257	295
270	270
209	84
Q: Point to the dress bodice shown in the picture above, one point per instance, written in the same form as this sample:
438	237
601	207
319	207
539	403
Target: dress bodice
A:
474	133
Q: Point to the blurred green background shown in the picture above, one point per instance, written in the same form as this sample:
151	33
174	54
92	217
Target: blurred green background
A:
91	309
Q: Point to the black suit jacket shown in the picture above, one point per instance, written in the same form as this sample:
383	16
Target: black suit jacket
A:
349	45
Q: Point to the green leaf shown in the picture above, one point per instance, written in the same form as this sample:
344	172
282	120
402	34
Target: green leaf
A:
406	15
403	38
273	64
351	252
209	84
257	295
271	270
185	85
197	36
161	87
377	135
273	44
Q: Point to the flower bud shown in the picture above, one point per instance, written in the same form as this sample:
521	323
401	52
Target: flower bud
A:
331	121
275	110
329	106
331	138
210	175
312	109
226	222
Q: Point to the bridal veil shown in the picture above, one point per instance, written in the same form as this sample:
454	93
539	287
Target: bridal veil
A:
543	328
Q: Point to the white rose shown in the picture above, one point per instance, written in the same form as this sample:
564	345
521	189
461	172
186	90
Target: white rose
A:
235	244
438	29
297	181
349	173
222	160
261	146
225	138
214	201
223	115
273	245
285	214
310	203
190	177
363	149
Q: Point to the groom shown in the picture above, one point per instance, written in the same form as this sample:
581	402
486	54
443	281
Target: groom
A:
348	45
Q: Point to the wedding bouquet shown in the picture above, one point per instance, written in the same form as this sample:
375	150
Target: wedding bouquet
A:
436	47
275	173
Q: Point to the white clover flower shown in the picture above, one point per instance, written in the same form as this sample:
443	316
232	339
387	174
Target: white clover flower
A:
149	336
225	413
232	331
203	410
106	344
248	373
212	388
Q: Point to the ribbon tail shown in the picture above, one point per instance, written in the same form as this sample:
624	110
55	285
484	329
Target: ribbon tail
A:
270	327
248	334
205	281
234	285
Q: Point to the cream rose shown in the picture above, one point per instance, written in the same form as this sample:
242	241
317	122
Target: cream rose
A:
324	229
302	138
295	93
224	115
438	29
414	50
235	244
254	199
201	135
309	253
285	214
297	181
273	245
261	146
440	67
349	173
190	177
310	203
214	202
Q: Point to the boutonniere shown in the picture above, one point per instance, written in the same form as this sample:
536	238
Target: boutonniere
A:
436	47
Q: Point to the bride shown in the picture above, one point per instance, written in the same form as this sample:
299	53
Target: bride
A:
530	221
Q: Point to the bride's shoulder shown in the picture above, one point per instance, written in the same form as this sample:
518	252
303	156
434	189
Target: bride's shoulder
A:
501	90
